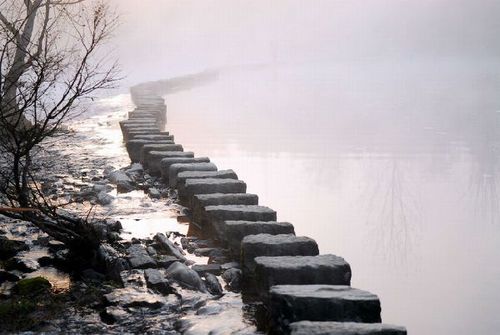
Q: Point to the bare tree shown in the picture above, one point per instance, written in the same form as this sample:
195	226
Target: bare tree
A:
50	61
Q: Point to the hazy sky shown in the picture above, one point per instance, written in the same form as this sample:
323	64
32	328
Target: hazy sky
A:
163	38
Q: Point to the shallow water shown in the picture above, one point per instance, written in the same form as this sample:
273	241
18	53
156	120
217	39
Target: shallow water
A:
405	189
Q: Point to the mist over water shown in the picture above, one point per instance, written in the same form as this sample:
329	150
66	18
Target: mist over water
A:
372	126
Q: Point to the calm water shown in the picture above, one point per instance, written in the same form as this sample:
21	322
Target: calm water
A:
398	174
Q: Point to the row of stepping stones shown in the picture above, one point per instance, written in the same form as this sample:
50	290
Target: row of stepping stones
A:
302	291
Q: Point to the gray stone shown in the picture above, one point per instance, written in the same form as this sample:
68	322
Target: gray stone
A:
154	137
134	147
145	127
113	263
166	163
104	198
22	264
165	261
209	186
182	176
133	133
153	159
231	233
199	201
291	303
154	193
232	277
125	125
134	297
175	169
344	328
122	181
139	257
254	246
202	269
157	281
300	270
185	276
147	148
213	217
9	248
167	246
212	284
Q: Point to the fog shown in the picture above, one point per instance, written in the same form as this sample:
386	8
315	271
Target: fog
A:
372	126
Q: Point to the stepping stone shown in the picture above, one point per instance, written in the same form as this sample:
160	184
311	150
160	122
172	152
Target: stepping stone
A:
214	216
254	246
152	159
128	125
231	233
155	137
167	162
344	328
134	148
142	114
175	169
300	270
142	128
139	258
291	303
182	176
200	201
210	186
147	148
132	132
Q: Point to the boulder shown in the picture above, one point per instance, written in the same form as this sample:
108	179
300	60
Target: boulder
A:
291	303
254	246
113	263
152	159
122	181
104	198
299	270
139	258
134	147
203	269
157	281
179	182
168	247
344	328
134	297
9	248
185	276
213	285
232	277
175	169
231	233
193	187
213	217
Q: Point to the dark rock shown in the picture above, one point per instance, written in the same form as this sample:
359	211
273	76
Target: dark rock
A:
9	248
291	303
134	297
232	277
344	328
167	246
185	276
212	284
157	281
139	257
165	261
8	276
230	265
104	198
203	252
133	278
92	275
114	264
202	269
22	264
46	261
55	245
154	193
